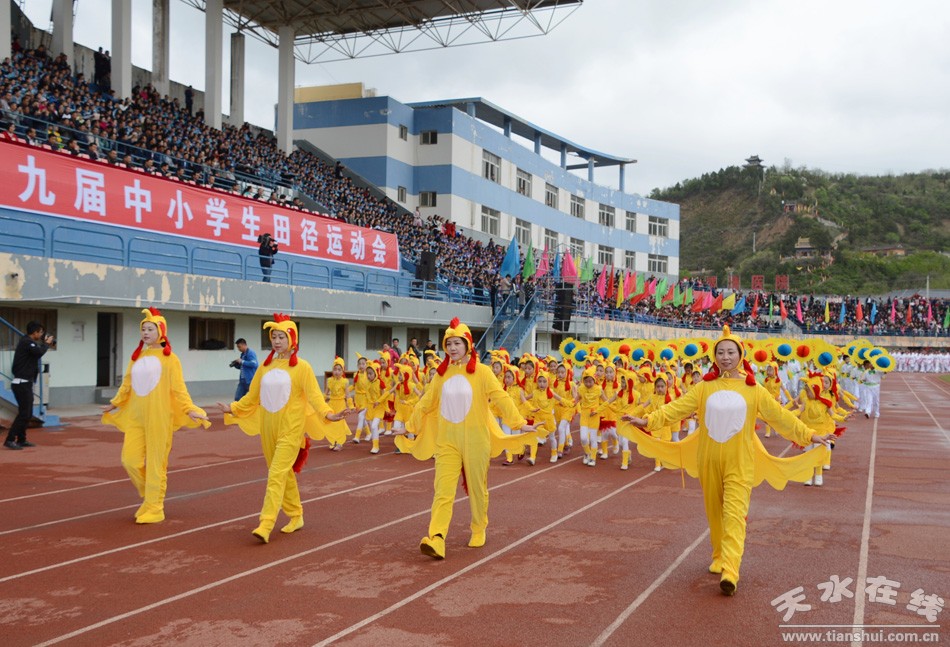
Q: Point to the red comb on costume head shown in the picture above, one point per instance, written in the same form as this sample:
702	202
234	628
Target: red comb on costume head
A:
454	323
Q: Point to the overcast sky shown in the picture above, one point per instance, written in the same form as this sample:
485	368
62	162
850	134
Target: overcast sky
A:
683	86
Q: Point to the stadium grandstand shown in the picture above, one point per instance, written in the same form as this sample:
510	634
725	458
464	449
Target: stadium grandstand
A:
121	191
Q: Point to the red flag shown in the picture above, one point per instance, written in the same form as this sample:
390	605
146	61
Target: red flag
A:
781	309
717	304
930	313
669	294
893	310
699	298
907	319
755	307
859	313
610	283
798	310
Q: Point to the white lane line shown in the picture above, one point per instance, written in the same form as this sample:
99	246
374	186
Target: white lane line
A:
119	549
602	638
125	480
865	536
932	417
445	580
187	495
279	562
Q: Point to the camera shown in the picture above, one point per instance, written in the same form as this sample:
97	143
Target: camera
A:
263	238
235	364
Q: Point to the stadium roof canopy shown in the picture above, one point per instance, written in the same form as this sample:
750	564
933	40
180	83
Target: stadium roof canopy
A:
333	30
500	118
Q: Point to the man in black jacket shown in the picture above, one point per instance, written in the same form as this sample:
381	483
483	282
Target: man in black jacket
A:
26	367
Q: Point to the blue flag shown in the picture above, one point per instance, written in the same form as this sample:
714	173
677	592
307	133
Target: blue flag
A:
511	266
556	267
740	307
841	314
873	311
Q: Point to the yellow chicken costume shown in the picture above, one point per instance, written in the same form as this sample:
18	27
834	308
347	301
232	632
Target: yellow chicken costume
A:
339	399
283	406
453	422
152	404
727	455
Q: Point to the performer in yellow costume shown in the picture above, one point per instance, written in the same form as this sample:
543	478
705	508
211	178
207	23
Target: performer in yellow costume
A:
453	423
359	399
284	406
338	397
726	454
152	403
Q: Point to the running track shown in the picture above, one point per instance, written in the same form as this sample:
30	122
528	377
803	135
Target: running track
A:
575	555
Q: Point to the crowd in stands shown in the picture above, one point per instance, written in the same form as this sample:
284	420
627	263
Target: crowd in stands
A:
44	103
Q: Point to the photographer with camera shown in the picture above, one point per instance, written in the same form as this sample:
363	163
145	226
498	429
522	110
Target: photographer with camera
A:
26	367
266	253
247	364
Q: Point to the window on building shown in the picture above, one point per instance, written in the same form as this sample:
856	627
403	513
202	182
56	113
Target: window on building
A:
523	183
19	318
376	336
491	167
428	137
659	226
403	133
657	264
605	255
523	232
427	199
551	240
577	249
632	221
577	207
491	221
630	261
606	215
211	334
400	194
550	196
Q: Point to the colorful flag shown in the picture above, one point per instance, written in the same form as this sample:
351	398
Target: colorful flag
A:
716	304
640	288
610	283
544	265
893	310
512	262
688	295
874	311
909	317
699	299
601	283
621	289
930	313
587	271
529	268
798	310
729	302
781	309
755	307
842	313
827	315
629	284
569	269
739	308
946	318
677	296
556	269
859	312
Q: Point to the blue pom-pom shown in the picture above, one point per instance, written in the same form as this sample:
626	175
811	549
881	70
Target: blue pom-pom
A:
569	347
638	355
666	354
883	362
690	350
603	352
826	358
580	355
784	350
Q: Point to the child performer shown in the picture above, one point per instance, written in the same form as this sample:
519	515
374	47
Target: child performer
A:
607	429
541	406
589	400
377	397
277	409
360	400
817	411
453	422
339	398
564	409
152	403
773	384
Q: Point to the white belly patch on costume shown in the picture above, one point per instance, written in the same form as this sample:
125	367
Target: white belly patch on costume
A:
456	399
725	415
275	390
146	372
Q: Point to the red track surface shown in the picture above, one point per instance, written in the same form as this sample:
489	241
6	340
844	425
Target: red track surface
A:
575	556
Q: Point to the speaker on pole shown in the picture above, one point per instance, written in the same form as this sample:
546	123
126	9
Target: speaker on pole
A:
425	268
563	306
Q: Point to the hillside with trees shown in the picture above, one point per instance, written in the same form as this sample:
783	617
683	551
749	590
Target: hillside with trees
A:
830	233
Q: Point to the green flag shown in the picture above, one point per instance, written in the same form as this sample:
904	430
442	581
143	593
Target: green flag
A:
688	296
529	268
660	293
587	271
946	319
677	296
639	289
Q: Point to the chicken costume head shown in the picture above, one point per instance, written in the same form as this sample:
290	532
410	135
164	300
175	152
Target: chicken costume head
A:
458	329
728	336
283	323
154	316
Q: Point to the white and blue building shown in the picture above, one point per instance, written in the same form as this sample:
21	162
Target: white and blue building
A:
487	170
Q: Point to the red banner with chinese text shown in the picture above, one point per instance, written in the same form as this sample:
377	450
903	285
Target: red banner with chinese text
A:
758	282
781	282
39	180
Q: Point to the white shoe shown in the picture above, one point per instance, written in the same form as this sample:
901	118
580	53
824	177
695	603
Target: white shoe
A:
826	468
658	468
624	467
554	458
808	482
592	462
819	480
602	455
374	451
389	432
530	461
